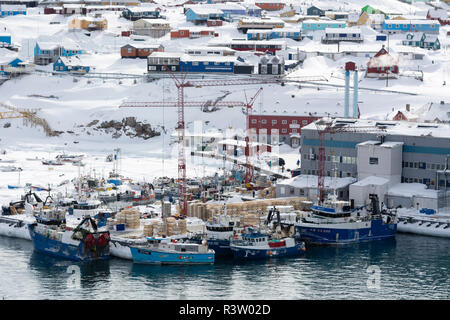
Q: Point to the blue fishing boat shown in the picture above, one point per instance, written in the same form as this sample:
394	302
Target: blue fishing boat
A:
336	222
170	251
83	243
255	244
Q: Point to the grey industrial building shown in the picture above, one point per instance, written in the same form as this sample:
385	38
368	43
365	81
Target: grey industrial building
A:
405	163
425	150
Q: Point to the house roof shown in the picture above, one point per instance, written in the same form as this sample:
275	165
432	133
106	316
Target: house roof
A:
143	45
13	7
438	13
72	61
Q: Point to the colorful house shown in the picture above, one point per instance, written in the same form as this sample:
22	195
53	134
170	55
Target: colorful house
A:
5	40
424	41
270	5
314	11
440	15
284	33
140	50
192	33
314	25
398	26
370	10
375	21
12	10
201	15
136	13
70	64
89	23
6	63
48	52
382	65
155	28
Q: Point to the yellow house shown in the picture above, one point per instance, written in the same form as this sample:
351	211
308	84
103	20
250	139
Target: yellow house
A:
89	23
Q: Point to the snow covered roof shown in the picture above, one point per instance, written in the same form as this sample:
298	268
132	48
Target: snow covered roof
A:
386	144
201	10
371	180
158	54
440	111
343	30
143	45
430	22
417	129
438	13
143	9
412	190
72	61
384	60
12	7
310	181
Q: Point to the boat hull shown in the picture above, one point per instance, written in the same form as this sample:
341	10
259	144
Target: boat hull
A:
425	229
220	247
345	233
59	249
249	253
148	256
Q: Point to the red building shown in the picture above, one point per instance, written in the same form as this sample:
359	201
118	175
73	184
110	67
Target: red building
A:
270	5
186	33
400	116
214	23
440	15
382	65
139	50
288	126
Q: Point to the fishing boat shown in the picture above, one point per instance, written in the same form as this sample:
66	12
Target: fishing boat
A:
335	222
255	244
219	233
50	235
69	158
171	251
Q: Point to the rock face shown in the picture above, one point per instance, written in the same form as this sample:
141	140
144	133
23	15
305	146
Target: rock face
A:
128	126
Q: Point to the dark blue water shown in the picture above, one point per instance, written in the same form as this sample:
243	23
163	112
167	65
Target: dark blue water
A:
411	267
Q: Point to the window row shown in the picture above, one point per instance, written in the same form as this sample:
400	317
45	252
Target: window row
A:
423	165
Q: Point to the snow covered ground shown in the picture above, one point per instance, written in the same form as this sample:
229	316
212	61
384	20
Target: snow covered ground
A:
70	106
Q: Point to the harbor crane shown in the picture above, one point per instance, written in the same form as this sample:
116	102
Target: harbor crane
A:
181	83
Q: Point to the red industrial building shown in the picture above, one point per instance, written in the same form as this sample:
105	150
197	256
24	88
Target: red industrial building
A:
288	126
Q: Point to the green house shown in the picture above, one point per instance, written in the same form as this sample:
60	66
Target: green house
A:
370	10
424	41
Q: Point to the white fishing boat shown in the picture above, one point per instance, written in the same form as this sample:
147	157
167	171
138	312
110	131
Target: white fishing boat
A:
424	222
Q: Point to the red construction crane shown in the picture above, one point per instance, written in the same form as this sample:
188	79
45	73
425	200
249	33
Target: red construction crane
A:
324	126
182	83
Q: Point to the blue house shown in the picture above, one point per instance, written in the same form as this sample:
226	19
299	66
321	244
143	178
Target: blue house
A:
5	40
70	64
283	33
48	52
12	10
201	15
314	25
398	26
253	10
7	63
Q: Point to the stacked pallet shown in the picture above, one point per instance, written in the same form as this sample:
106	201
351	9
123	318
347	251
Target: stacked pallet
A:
250	219
130	217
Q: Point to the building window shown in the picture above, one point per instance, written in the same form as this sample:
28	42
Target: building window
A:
283	130
373	160
283	121
254	121
294	130
274	122
263	121
151	68
294	121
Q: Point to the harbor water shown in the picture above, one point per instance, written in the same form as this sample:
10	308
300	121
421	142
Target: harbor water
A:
409	267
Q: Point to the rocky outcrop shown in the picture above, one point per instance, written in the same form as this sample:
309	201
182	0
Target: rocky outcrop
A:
128	126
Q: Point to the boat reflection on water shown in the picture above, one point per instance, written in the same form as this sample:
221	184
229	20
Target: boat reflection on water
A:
55	274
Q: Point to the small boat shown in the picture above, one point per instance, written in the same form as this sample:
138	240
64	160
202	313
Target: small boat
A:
255	244
10	169
170	251
425	222
83	243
